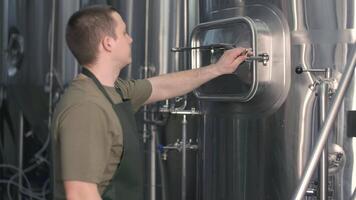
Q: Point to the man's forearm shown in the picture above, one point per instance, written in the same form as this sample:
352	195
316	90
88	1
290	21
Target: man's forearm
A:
179	83
78	190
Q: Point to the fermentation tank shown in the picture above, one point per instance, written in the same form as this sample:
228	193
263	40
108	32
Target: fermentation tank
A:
247	153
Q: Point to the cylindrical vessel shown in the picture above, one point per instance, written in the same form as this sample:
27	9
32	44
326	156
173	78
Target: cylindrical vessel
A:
166	22
134	15
264	156
27	71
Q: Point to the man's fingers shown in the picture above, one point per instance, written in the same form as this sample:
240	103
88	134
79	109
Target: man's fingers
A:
239	60
238	52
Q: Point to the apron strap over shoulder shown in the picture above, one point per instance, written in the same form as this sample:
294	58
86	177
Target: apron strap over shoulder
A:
89	74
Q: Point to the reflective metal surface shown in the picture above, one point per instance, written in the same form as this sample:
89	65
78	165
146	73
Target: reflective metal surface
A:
27	75
3	38
266	85
133	13
327	126
28	70
322	33
165	23
65	65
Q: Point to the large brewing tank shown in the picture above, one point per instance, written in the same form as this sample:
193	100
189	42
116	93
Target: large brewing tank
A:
134	14
166	29
26	63
263	156
36	63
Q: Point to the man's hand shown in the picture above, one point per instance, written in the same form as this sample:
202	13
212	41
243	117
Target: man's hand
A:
230	60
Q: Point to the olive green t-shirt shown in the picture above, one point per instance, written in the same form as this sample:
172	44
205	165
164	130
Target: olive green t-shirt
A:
87	135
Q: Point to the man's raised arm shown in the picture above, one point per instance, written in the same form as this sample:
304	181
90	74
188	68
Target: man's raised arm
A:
179	83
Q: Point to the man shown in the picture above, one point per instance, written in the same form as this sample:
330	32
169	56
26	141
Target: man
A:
97	150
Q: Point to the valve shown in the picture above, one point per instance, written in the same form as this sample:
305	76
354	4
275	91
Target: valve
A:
299	69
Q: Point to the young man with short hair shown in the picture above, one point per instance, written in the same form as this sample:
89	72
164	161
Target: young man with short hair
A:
97	150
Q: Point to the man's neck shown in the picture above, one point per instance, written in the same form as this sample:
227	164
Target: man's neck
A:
105	74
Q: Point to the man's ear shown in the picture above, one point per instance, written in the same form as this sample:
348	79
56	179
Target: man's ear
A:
107	43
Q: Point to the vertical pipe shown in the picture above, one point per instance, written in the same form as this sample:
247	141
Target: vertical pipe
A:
185	40
20	153
4	29
51	65
186	29
146	31
184	156
153	160
145	110
323	168
152	188
145	72
324	133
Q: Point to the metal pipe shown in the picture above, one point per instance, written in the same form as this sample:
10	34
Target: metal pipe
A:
51	65
162	173
185	41
145	110
184	156
152	189
153	160
186	29
146	31
217	46
323	107
4	29
324	133
21	127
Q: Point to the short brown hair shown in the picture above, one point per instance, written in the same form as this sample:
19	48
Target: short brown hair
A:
86	28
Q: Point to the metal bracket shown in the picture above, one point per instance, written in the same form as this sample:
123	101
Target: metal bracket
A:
327	78
263	58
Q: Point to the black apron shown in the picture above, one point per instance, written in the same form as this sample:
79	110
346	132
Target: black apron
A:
127	182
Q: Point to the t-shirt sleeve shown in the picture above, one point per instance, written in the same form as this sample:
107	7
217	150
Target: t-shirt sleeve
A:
137	90
84	143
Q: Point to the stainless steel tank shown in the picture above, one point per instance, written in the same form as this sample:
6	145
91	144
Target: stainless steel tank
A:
166	29
134	14
27	61
263	156
36	61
